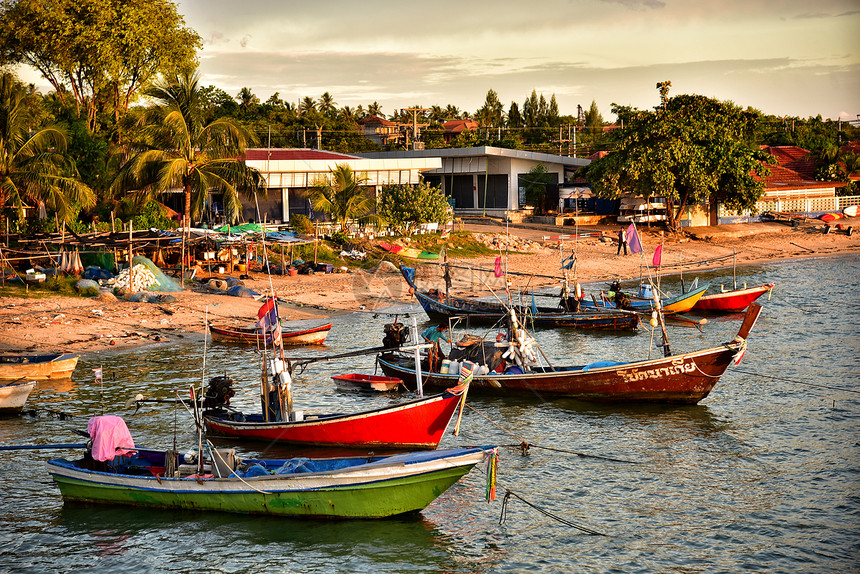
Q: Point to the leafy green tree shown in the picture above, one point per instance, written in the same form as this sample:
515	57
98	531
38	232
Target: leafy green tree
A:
177	150
98	52
593	125
405	207
695	150
492	113
343	196
33	168
515	119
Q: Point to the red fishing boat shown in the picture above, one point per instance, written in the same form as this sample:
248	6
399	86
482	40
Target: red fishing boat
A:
417	424
681	379
735	300
293	333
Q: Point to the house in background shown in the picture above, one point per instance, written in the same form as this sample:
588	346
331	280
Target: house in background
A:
488	180
288	172
380	131
453	128
791	187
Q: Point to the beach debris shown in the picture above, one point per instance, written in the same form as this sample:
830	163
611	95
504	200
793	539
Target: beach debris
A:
354	254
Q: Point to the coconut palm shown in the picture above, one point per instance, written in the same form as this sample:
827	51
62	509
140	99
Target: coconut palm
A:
178	151
33	169
342	196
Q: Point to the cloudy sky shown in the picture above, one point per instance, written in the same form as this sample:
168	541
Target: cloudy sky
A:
787	57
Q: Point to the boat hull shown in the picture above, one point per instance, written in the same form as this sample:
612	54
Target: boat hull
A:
13	396
293	337
366	383
418	424
376	490
678	304
678	379
731	301
479	311
37	367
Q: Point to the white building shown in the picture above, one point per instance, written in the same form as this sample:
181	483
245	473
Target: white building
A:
486	180
287	172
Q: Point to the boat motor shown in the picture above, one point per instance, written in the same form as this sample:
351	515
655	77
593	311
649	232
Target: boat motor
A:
395	335
218	393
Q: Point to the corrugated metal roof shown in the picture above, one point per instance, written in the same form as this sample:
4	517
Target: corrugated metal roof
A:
262	154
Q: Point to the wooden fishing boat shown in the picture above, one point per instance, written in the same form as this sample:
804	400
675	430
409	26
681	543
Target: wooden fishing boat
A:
416	424
439	306
293	333
732	301
682	379
366	383
677	304
19	366
360	487
14	395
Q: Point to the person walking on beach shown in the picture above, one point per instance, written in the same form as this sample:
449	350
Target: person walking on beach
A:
622	241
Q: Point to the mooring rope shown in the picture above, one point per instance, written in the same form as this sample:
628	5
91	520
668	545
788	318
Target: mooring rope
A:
504	514
796	382
524	445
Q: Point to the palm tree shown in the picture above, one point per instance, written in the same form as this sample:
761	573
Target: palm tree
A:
342	196
327	104
178	150
374	109
33	168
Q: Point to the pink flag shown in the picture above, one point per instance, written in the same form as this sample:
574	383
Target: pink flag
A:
633	239
658	255
498	269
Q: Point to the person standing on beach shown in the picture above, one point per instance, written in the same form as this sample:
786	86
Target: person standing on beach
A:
622	241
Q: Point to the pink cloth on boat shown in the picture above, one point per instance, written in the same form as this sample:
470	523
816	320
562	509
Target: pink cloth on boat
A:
110	437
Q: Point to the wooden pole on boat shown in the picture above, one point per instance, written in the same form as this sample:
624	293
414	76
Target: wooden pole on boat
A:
419	384
734	273
658	306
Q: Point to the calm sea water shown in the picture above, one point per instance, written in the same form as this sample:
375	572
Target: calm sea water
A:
762	476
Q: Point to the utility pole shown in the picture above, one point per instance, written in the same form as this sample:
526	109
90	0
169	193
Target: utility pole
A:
416	127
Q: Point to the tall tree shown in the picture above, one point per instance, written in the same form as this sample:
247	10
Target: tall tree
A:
515	119
696	149
327	104
177	149
593	124
492	113
33	169
342	196
101	52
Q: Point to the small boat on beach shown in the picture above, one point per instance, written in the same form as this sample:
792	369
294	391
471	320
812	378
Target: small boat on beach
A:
355	487
18	366
293	333
732	301
439	306
685	378
410	252
14	395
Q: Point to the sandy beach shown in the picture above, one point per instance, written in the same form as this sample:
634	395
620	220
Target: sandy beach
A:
103	324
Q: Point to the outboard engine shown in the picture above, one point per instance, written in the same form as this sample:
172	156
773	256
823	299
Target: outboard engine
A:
395	335
218	394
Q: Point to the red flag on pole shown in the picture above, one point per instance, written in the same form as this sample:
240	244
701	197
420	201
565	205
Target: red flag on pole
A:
658	255
498	269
